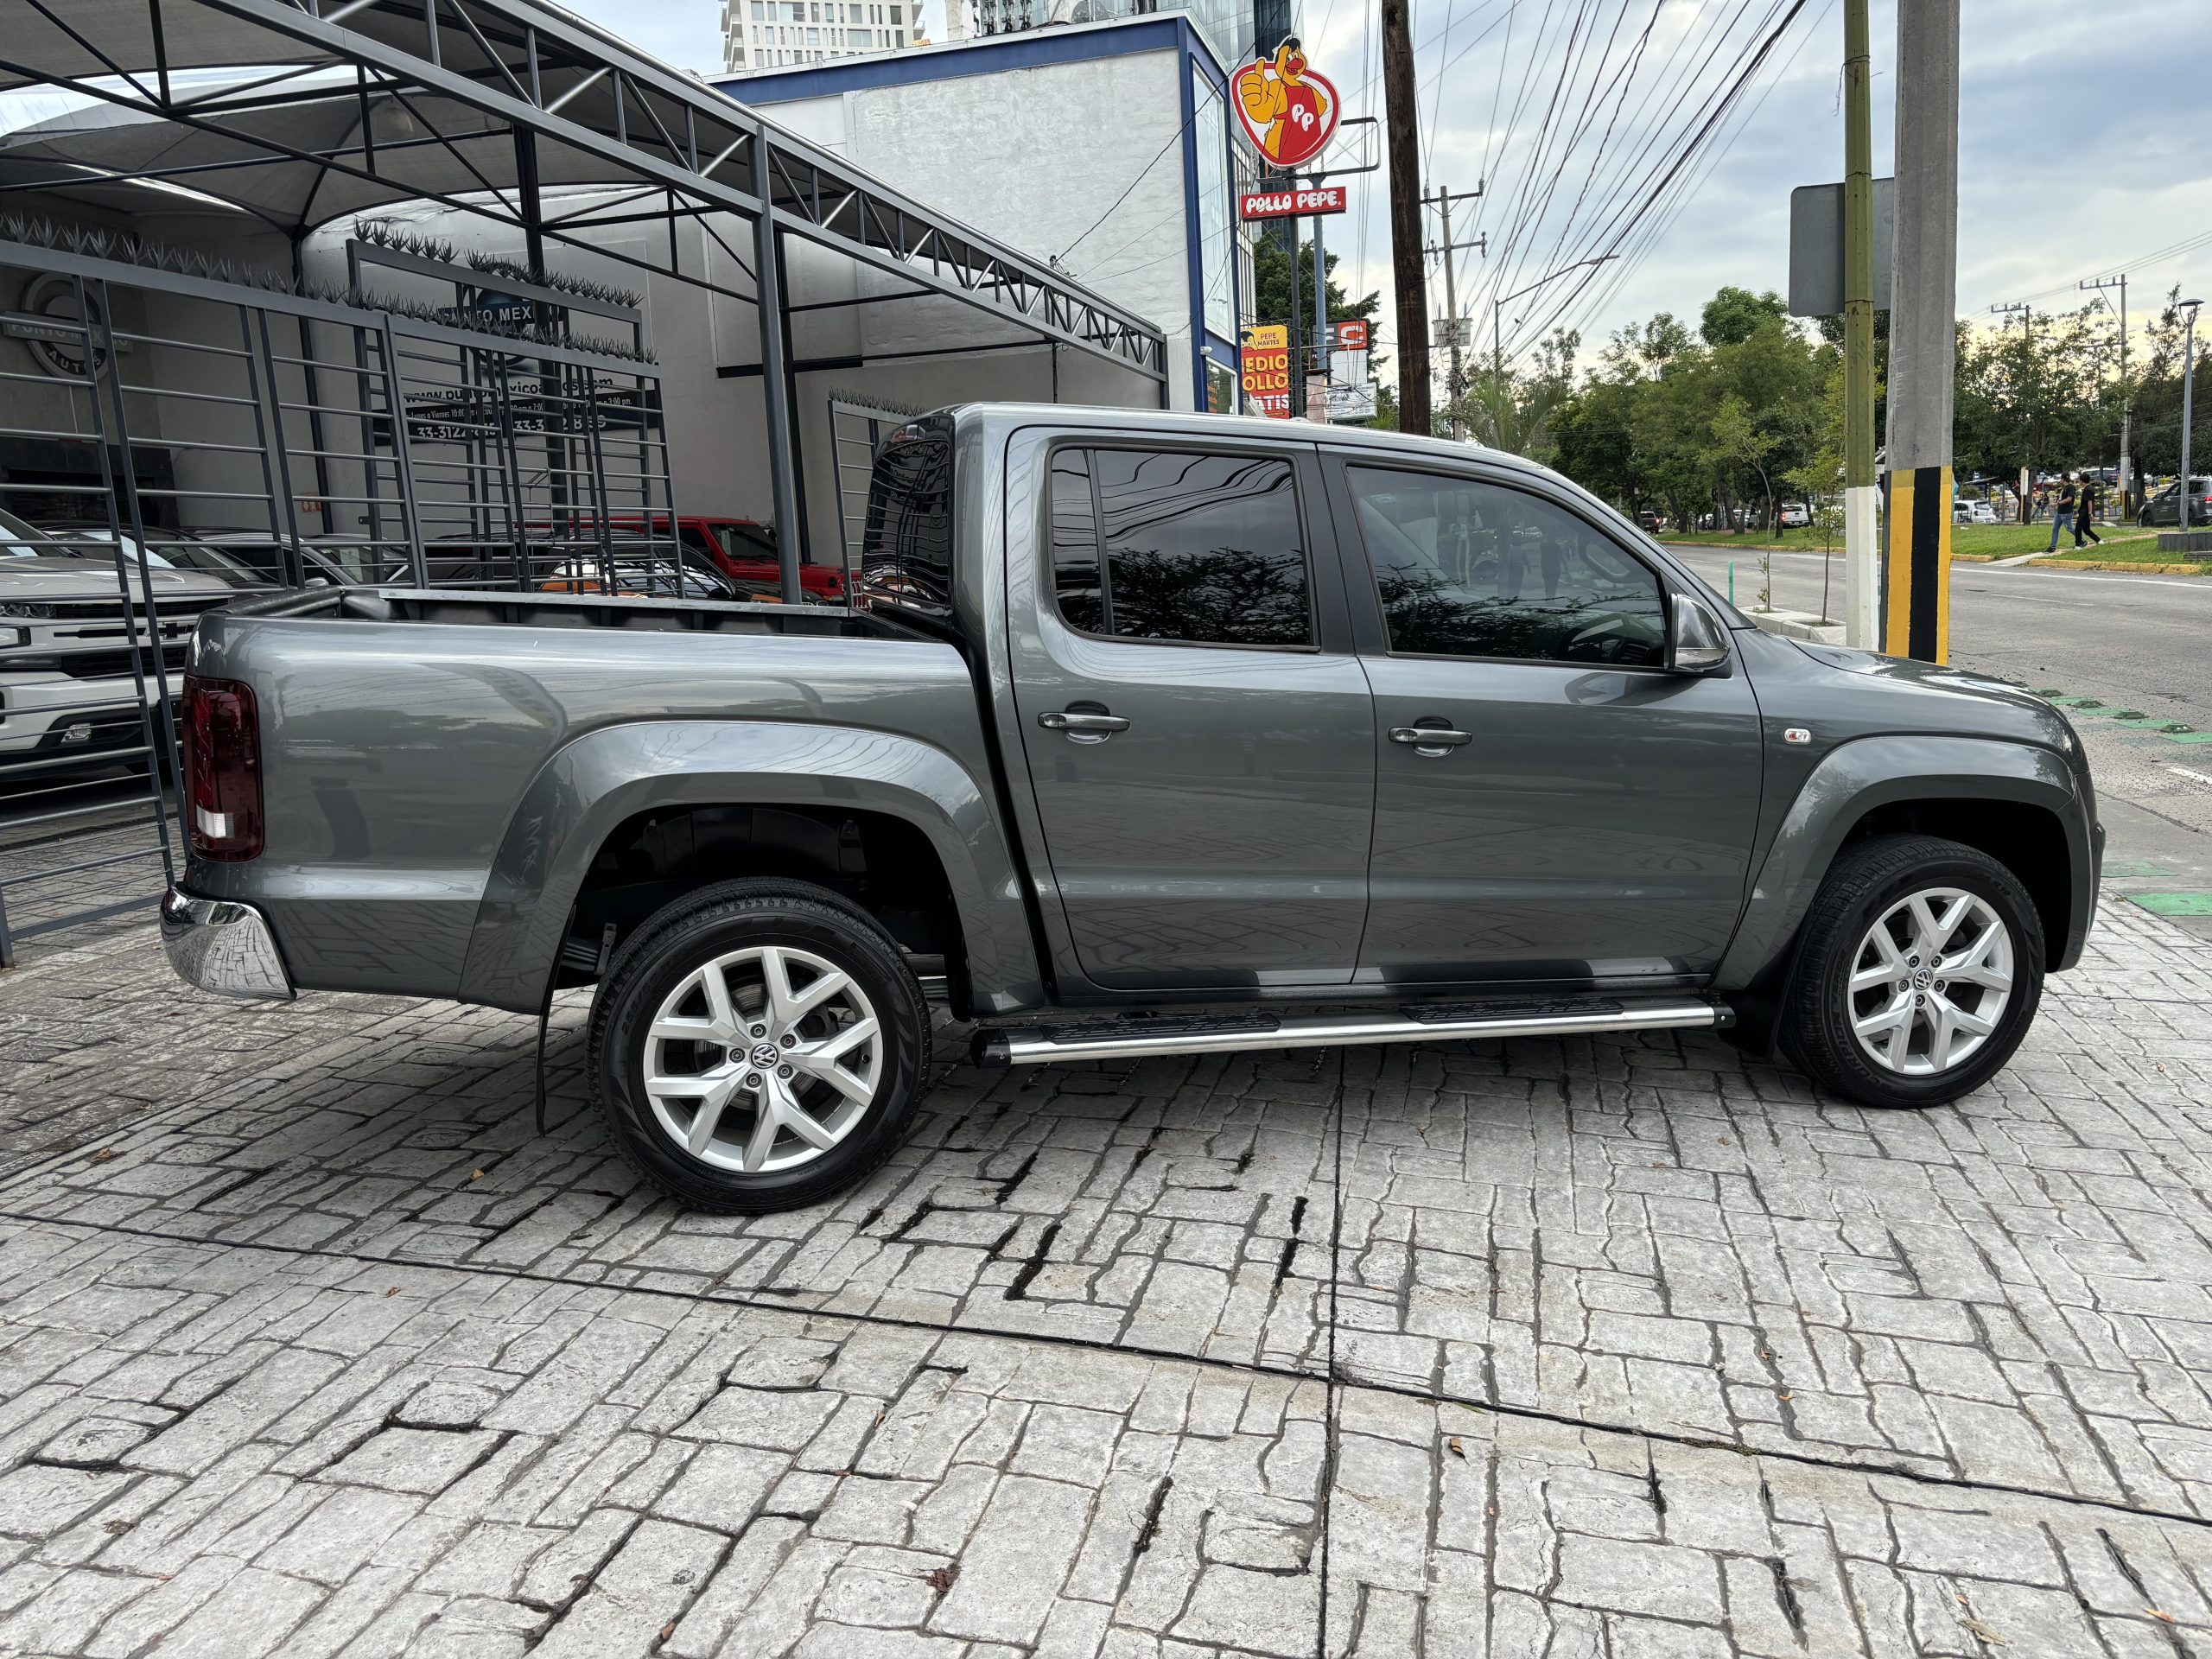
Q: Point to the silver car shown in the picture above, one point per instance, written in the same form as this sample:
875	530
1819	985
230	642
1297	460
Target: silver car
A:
68	695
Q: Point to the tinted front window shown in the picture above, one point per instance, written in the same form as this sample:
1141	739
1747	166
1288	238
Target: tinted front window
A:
1171	545
1473	570
906	541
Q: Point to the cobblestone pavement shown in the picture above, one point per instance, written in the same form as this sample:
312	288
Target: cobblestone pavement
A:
309	1345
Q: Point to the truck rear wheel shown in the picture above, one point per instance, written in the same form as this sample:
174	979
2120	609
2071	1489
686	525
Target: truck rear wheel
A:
1921	969
758	1046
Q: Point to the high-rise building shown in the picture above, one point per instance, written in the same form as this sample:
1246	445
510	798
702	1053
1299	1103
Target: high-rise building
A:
1226	24
780	33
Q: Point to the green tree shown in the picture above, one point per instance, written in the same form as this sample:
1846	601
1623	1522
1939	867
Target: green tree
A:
1271	286
1734	314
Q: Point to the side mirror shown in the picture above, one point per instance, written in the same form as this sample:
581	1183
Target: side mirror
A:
1697	642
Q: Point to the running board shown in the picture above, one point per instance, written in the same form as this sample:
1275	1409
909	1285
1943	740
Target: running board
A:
1440	1023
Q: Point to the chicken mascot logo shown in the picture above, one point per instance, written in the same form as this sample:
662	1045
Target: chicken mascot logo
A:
1288	112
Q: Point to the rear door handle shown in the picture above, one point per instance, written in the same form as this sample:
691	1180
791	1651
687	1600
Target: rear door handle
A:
1081	722
1430	740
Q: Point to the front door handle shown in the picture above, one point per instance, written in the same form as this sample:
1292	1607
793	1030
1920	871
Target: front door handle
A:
1433	740
1084	725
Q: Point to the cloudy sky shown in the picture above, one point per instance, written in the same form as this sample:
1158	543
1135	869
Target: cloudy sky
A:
2085	140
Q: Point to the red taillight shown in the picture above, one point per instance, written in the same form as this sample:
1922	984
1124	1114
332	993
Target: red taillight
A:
222	769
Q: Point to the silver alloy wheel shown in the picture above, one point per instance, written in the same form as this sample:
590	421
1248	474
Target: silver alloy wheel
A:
748	1072
1929	981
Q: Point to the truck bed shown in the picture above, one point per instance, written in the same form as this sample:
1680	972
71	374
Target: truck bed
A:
424	754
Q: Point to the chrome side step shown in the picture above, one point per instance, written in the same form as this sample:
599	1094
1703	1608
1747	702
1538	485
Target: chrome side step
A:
1441	1022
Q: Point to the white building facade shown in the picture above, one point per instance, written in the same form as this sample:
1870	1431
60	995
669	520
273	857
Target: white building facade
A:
760	35
1105	149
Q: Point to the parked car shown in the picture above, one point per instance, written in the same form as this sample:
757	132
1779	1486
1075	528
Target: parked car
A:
745	552
1230	739
261	557
1973	513
1794	515
67	694
2164	507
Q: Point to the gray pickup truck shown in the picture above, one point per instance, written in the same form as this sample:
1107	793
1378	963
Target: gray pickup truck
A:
1146	735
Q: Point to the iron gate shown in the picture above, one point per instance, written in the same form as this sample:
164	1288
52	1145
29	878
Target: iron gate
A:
188	437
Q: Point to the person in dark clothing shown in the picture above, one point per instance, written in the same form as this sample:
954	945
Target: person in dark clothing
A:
2085	508
2062	512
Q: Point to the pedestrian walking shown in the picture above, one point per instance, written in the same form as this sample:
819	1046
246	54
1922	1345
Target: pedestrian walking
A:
2085	510
2062	512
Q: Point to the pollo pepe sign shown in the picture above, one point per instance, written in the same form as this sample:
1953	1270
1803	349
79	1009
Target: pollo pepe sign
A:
1288	112
1263	363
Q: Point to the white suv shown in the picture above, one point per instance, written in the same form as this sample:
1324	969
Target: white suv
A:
68	695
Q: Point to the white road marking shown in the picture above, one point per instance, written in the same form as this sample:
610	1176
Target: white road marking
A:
2194	777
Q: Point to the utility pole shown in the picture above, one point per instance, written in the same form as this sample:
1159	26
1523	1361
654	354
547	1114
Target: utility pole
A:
1923	334
1320	366
1861	574
2126	391
1455	384
2027	316
2188	407
1407	266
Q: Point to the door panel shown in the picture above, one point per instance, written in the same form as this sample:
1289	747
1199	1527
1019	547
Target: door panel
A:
1597	819
1221	837
1597	823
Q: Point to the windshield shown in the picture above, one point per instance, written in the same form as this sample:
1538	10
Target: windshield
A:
19	541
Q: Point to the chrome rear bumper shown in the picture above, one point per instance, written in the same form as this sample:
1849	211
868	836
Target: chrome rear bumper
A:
222	946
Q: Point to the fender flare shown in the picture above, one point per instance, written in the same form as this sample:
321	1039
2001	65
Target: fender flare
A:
1855	777
593	785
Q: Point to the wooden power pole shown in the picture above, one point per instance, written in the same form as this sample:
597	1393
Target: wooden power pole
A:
1408	263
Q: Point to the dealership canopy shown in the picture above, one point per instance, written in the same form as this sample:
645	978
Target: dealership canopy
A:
303	114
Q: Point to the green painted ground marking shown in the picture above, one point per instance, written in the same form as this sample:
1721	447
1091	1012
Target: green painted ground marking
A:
2130	869
2174	904
2128	714
2187	737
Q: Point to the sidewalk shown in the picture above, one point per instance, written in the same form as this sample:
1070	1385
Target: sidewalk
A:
307	1346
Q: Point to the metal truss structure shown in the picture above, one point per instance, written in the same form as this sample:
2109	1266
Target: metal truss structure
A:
323	109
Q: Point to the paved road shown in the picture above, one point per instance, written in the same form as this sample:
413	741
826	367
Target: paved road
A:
1616	1345
2141	643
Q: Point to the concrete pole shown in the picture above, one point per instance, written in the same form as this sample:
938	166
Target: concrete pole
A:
1454	387
1320	308
1861	578
2188	407
1923	332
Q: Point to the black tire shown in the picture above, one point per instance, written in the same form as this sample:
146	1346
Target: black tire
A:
1866	882
704	927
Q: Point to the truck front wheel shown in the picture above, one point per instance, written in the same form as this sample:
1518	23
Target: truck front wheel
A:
1921	965
758	1046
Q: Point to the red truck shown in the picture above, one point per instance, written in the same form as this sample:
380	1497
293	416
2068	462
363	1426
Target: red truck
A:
744	551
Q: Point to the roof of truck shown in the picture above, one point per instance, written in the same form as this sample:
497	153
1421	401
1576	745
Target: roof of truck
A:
1241	429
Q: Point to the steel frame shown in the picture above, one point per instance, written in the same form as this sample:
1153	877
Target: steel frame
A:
540	74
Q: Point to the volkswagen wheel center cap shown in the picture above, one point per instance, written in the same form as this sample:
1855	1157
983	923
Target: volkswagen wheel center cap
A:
765	1054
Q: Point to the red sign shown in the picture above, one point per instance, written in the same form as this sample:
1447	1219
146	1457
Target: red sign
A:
1289	112
1291	204
1350	335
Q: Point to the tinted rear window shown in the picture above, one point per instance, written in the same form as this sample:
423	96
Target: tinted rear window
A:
907	543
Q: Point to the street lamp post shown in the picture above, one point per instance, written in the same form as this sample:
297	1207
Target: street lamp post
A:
1498	323
2188	399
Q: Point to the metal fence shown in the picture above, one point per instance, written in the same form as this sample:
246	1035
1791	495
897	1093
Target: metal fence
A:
187	439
